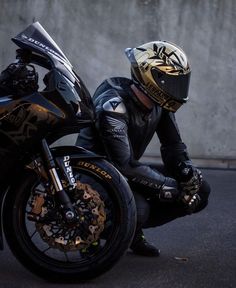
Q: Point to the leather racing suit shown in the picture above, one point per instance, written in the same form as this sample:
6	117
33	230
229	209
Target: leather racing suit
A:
124	128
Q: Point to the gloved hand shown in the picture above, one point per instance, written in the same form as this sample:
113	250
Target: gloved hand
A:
169	191
191	202
19	79
190	178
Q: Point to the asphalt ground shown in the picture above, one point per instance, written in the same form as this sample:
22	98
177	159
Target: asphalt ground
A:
196	251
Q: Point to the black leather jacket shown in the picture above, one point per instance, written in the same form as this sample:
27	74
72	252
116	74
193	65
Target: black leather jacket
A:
124	128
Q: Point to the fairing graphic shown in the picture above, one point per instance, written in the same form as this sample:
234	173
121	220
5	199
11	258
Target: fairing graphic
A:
62	108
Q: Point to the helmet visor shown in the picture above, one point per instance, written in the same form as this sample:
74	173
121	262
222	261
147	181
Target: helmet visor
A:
175	86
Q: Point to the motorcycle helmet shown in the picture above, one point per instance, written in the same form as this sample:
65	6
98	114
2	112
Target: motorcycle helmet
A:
161	70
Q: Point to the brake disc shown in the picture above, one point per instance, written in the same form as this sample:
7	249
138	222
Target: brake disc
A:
58	233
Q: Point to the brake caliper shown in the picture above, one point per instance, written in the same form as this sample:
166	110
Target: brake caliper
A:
56	232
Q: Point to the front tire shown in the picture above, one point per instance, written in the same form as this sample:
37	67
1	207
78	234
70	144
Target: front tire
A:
30	247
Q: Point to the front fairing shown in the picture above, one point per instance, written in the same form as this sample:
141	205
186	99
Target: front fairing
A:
49	114
47	53
25	120
62	108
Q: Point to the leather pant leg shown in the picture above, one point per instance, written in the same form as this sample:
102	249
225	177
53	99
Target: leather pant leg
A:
151	212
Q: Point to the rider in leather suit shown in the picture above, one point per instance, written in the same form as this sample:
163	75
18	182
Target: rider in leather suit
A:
128	114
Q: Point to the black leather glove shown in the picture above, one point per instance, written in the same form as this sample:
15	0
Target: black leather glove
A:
19	79
169	191
191	202
190	178
190	181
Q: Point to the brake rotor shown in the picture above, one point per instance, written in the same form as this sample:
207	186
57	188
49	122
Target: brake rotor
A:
58	233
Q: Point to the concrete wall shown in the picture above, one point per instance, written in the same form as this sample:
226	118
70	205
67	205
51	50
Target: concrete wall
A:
93	34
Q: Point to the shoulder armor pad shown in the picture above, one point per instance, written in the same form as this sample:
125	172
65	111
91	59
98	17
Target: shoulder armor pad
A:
115	105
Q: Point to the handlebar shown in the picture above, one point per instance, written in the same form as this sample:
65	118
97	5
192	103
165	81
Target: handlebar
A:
25	57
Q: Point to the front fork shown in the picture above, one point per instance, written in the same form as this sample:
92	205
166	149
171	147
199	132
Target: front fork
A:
64	199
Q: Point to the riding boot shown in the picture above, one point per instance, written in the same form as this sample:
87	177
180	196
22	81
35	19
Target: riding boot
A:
140	246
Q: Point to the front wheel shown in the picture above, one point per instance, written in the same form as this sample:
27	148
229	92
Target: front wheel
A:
60	251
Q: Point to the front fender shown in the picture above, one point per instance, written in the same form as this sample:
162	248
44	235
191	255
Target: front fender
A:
74	152
64	156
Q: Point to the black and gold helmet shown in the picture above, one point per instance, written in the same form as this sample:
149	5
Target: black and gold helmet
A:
161	70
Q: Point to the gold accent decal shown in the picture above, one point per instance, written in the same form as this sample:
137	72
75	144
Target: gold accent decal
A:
95	168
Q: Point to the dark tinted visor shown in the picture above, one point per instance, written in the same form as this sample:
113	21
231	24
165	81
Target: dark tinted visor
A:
176	86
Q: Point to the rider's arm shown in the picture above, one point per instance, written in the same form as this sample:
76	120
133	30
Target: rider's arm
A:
175	155
173	150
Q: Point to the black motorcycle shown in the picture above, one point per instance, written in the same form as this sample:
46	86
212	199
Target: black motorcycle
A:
67	213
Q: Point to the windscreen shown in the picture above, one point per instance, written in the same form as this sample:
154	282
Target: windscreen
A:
36	38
